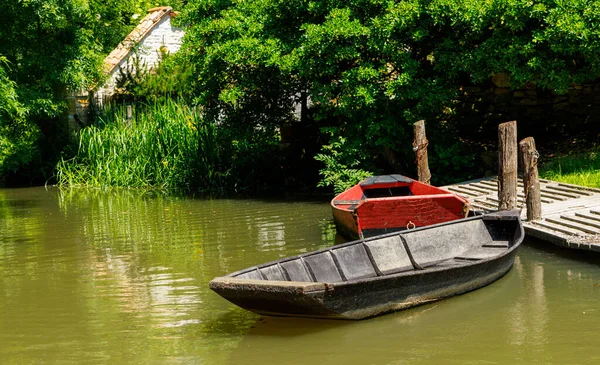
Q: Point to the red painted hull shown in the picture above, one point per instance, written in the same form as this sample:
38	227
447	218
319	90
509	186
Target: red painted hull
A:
393	203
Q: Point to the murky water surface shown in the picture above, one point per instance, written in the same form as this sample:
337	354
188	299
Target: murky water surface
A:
122	278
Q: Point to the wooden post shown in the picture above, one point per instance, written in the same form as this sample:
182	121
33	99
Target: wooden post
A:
129	114
420	147
531	182
507	165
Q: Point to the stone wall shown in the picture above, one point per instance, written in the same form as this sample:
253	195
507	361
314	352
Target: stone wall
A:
543	114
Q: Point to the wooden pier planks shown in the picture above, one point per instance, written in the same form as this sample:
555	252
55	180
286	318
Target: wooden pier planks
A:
570	213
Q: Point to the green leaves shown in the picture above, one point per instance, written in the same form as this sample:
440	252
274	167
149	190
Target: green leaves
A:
18	136
54	46
341	160
372	67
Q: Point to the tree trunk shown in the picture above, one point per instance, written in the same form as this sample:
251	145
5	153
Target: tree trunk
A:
507	165
531	182
420	147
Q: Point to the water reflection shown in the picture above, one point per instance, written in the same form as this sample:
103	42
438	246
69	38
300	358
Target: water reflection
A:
524	318
529	314
166	297
117	272
121	277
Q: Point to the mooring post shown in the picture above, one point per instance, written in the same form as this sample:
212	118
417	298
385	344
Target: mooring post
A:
531	181
420	147
507	165
129	114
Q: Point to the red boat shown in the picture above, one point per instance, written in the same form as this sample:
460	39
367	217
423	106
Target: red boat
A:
388	203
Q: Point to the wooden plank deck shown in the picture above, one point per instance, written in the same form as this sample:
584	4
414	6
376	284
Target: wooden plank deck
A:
570	213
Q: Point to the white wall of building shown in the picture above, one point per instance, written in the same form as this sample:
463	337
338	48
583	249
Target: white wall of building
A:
163	34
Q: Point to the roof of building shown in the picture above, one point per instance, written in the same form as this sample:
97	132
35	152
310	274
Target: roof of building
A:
118	54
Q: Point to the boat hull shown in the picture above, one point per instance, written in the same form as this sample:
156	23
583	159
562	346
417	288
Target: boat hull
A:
361	299
345	223
373	276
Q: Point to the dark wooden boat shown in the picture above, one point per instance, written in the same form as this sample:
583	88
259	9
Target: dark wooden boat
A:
388	203
395	271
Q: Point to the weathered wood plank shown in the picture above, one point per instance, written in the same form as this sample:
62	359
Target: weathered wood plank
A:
487	181
586	188
588	216
582	220
563	193
461	190
574	225
519	184
581	204
479	190
546	199
490	189
553	197
556	227
496	200
477	206
569	190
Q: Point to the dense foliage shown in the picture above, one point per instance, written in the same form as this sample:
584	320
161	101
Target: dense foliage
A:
49	47
168	145
167	80
351	76
17	136
371	68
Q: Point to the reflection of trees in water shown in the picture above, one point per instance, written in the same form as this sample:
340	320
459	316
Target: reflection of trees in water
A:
528	317
147	252
21	232
123	276
93	274
167	298
153	256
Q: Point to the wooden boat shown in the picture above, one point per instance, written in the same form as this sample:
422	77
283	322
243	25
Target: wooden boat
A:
388	203
381	274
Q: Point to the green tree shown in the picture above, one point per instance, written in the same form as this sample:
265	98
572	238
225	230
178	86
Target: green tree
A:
372	68
17	136
54	46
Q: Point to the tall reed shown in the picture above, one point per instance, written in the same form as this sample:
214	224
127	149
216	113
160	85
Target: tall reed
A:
167	145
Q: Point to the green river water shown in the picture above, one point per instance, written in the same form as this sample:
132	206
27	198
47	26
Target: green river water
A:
91	277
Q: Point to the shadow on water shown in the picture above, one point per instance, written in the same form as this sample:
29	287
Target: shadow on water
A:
552	250
382	339
512	320
21	203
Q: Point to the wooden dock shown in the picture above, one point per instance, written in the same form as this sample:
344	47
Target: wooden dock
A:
570	213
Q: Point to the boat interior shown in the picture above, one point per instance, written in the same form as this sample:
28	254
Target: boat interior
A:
448	245
385	186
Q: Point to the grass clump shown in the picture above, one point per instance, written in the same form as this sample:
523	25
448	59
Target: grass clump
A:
580	169
167	145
